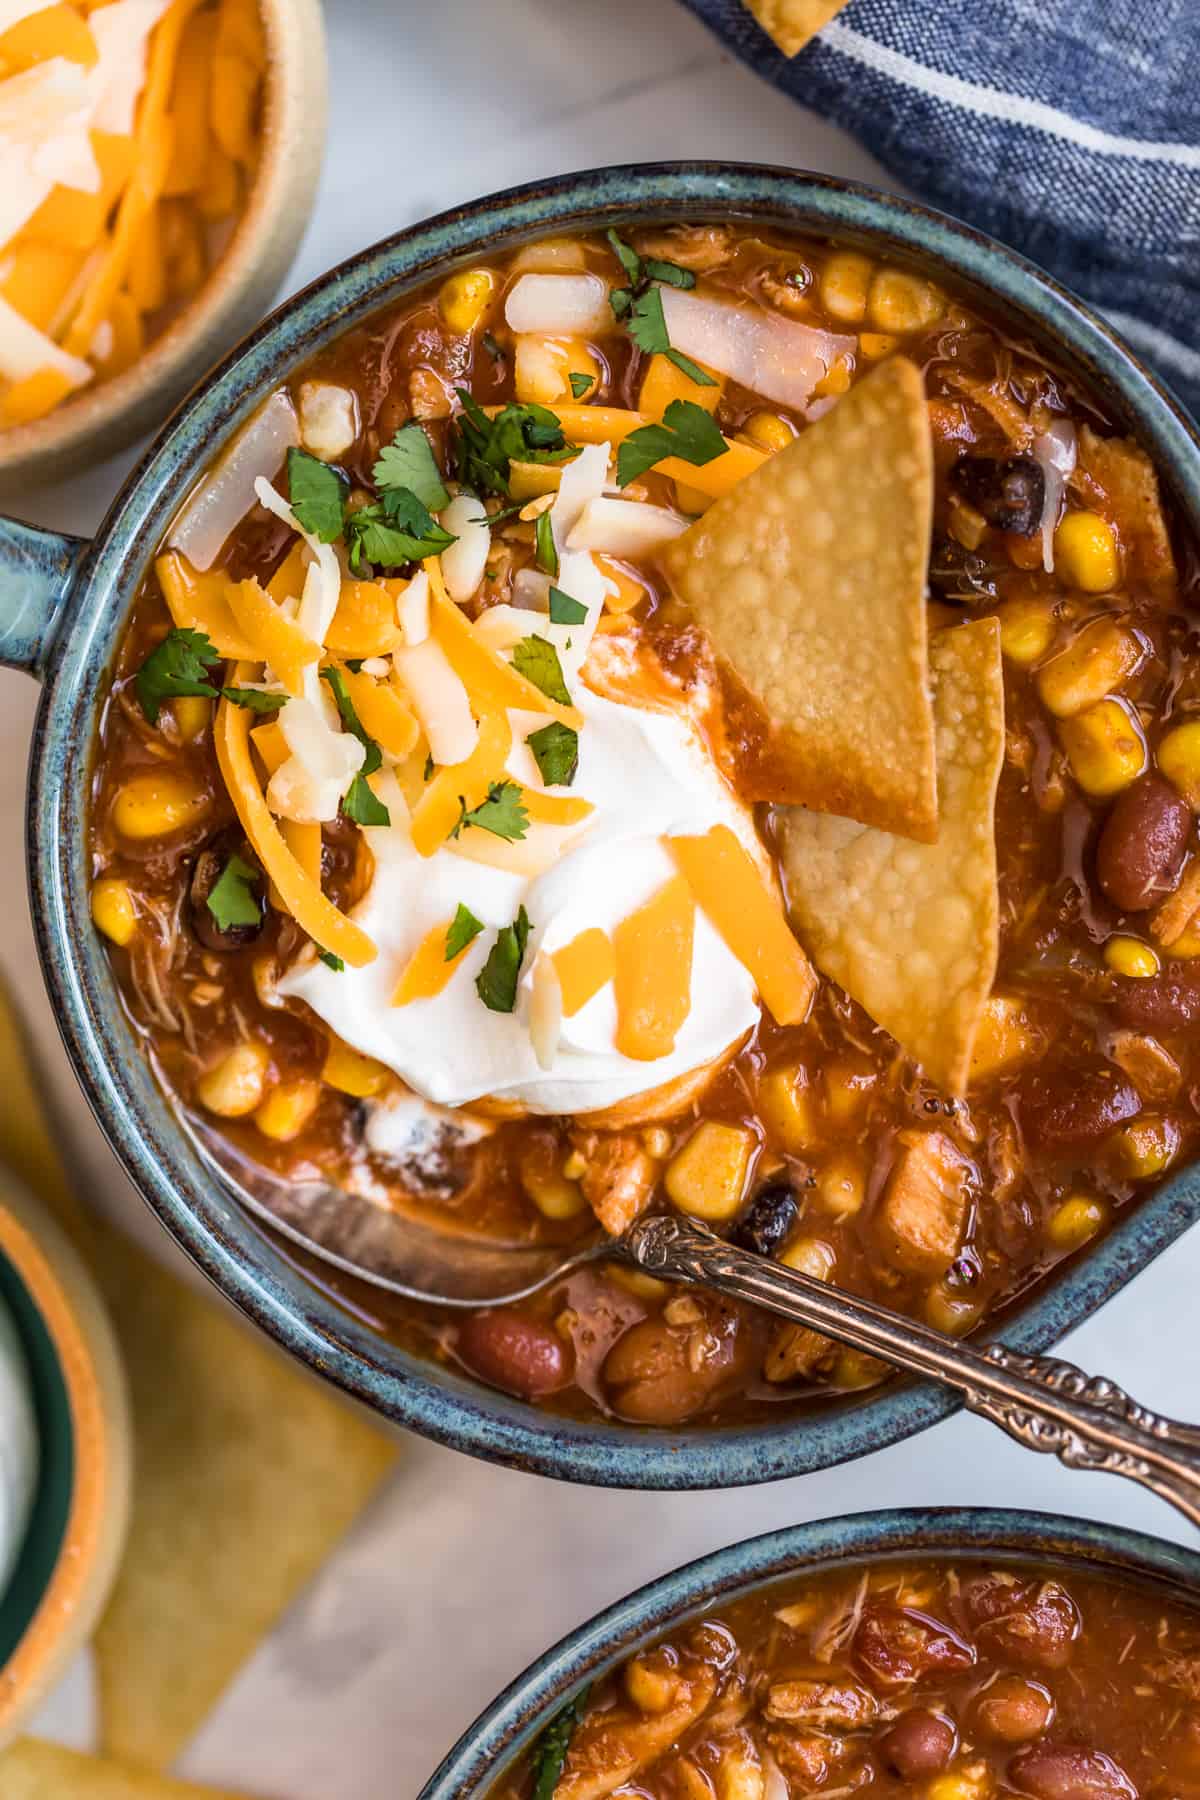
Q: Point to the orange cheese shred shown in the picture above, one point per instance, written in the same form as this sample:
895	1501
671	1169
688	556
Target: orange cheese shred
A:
611	424
490	681
34	397
54	31
583	966
729	887
427	970
270	746
555	809
188	167
277	639
200	602
304	842
365	623
456	785
74	219
382	714
299	894
652	977
287	583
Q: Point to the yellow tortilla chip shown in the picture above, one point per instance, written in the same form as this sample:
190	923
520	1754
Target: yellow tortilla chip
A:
247	1472
809	579
33	1770
793	22
912	930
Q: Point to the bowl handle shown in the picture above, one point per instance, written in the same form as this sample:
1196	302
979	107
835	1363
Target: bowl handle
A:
37	570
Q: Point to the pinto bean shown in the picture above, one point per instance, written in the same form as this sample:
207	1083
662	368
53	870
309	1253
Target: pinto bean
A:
898	1646
1142	844
658	1374
512	1352
1069	1772
1013	1710
1076	1108
919	1743
1162	1003
1032	1623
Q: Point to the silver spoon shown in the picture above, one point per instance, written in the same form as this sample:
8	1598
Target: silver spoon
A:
1046	1404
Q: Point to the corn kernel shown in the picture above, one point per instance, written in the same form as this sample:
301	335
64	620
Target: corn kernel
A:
953	1312
465	298
157	804
639	1284
768	431
875	345
1095	663
845	280
1075	1221
285	1112
841	1188
542	368
965	525
1187	944
663	383
785	1107
973	1782
811	1256
192	714
848	1086
900	302
113	910
708	1176
657	1141
855	1369
1104	747
1146	1147
553	1193
1085	553
1004	1038
1026	629
738	1778
651	1688
835	380
1129	956
1179	760
574	1165
629	590
691	499
351	1073
234	1087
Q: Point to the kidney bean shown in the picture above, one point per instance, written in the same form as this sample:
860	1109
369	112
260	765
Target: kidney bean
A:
767	1221
1075	1107
1013	1710
512	1352
1069	1772
658	1374
1032	1623
919	1743
1142	844
1163	1003
898	1646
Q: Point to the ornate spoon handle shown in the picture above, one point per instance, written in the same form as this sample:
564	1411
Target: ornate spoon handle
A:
1047	1405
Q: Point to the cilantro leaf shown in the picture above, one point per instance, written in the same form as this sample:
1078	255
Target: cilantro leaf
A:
626	255
485	448
686	431
579	383
363	805
496	982
556	752
408	462
648	329
501	813
317	494
545	554
360	801
254	699
462	930
232	899
565	609
492	347
620	299
331	961
177	666
668	272
537	660
398	528
550	1751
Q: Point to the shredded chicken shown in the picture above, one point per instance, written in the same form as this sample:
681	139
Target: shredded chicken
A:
699	247
839	1702
794	1350
924	1209
1149	1065
1170	920
618	1180
610	1748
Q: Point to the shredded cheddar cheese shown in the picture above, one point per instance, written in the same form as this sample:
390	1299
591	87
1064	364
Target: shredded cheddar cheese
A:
427	970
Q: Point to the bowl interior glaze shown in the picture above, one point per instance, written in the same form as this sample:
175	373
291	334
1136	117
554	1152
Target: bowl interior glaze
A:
246	1266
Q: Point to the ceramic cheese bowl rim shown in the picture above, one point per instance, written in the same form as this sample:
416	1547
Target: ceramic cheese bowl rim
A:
61	607
499	1736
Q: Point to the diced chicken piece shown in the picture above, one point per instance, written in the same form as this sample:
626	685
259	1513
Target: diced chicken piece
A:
328	419
699	247
618	1180
1149	1065
806	1758
1170	920
794	1350
1116	471
821	1704
924	1210
1006	1037
610	1748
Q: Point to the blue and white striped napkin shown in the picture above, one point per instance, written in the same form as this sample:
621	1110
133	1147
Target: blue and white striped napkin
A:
1069	129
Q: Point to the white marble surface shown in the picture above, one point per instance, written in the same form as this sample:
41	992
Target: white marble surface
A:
462	1573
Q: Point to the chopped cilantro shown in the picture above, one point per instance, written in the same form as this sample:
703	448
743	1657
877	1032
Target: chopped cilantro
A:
232	900
396	529
686	431
255	700
565	610
428	771
355	663
486	448
177	666
556	752
496	982
492	347
648	329
501	813
626	255
331	961
579	383
545	553
408	462
641	272
550	1751
361	803
668	272
537	660
463	929
317	494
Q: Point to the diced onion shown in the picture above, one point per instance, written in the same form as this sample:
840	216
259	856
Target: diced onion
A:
552	254
24	350
412	610
439	700
1055	452
464	561
545	1011
624	527
775	1785
530	591
226	495
559	305
779	358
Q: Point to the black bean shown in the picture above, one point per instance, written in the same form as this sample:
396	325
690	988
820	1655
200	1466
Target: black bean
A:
767	1221
1008	493
956	573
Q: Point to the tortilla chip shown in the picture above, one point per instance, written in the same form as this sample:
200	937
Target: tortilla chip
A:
793	22
911	931
33	1770
247	1473
1117	475
809	579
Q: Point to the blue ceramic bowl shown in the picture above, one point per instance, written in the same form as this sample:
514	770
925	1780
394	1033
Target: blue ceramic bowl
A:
63	605
497	1739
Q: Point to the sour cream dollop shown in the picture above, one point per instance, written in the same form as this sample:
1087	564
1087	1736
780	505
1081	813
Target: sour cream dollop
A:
647	776
18	1446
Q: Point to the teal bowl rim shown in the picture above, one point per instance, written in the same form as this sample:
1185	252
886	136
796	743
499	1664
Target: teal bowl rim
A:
54	1488
91	587
490	1746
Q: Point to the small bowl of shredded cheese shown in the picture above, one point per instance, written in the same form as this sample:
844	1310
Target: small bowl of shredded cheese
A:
159	158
